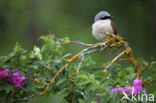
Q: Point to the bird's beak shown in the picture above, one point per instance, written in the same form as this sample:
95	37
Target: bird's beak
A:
112	17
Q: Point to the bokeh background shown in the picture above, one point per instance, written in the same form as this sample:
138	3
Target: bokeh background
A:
24	21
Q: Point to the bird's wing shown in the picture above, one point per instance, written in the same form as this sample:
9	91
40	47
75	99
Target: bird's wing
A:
114	27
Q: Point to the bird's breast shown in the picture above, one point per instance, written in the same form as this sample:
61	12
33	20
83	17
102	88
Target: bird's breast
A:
99	28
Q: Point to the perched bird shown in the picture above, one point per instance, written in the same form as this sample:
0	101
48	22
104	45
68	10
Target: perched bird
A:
102	24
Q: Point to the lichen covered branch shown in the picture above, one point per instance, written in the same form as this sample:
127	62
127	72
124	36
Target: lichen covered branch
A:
112	41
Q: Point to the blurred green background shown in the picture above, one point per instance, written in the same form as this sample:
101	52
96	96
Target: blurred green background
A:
24	21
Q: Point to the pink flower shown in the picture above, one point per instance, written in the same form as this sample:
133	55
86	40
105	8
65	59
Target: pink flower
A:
127	90
15	74
144	91
137	86
3	72
114	90
18	81
120	89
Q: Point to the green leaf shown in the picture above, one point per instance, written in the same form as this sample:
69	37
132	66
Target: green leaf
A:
116	65
153	63
83	76
88	61
121	74
61	81
82	101
66	55
39	85
83	83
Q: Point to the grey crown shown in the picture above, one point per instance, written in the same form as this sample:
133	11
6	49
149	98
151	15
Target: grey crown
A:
101	14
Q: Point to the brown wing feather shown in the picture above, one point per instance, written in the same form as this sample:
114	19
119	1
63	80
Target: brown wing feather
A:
114	28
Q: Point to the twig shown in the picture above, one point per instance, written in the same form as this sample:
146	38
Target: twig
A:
26	98
73	42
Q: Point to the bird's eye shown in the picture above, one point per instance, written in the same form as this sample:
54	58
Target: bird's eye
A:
104	17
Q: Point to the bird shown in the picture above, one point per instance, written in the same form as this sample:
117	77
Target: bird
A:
102	24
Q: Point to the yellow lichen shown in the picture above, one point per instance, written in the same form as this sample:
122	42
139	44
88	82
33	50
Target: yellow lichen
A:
105	70
36	80
77	71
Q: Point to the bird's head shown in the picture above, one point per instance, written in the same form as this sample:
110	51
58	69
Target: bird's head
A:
102	15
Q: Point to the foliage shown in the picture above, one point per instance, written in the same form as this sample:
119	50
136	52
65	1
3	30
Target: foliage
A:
25	20
88	86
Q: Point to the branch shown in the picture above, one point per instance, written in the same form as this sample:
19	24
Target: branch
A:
112	41
73	42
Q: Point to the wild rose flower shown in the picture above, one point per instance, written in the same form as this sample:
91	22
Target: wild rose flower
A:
127	90
120	89
137	86
3	72
15	74
19	81
114	90
16	80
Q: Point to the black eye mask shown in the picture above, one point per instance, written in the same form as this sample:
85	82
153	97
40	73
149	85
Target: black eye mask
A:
107	17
